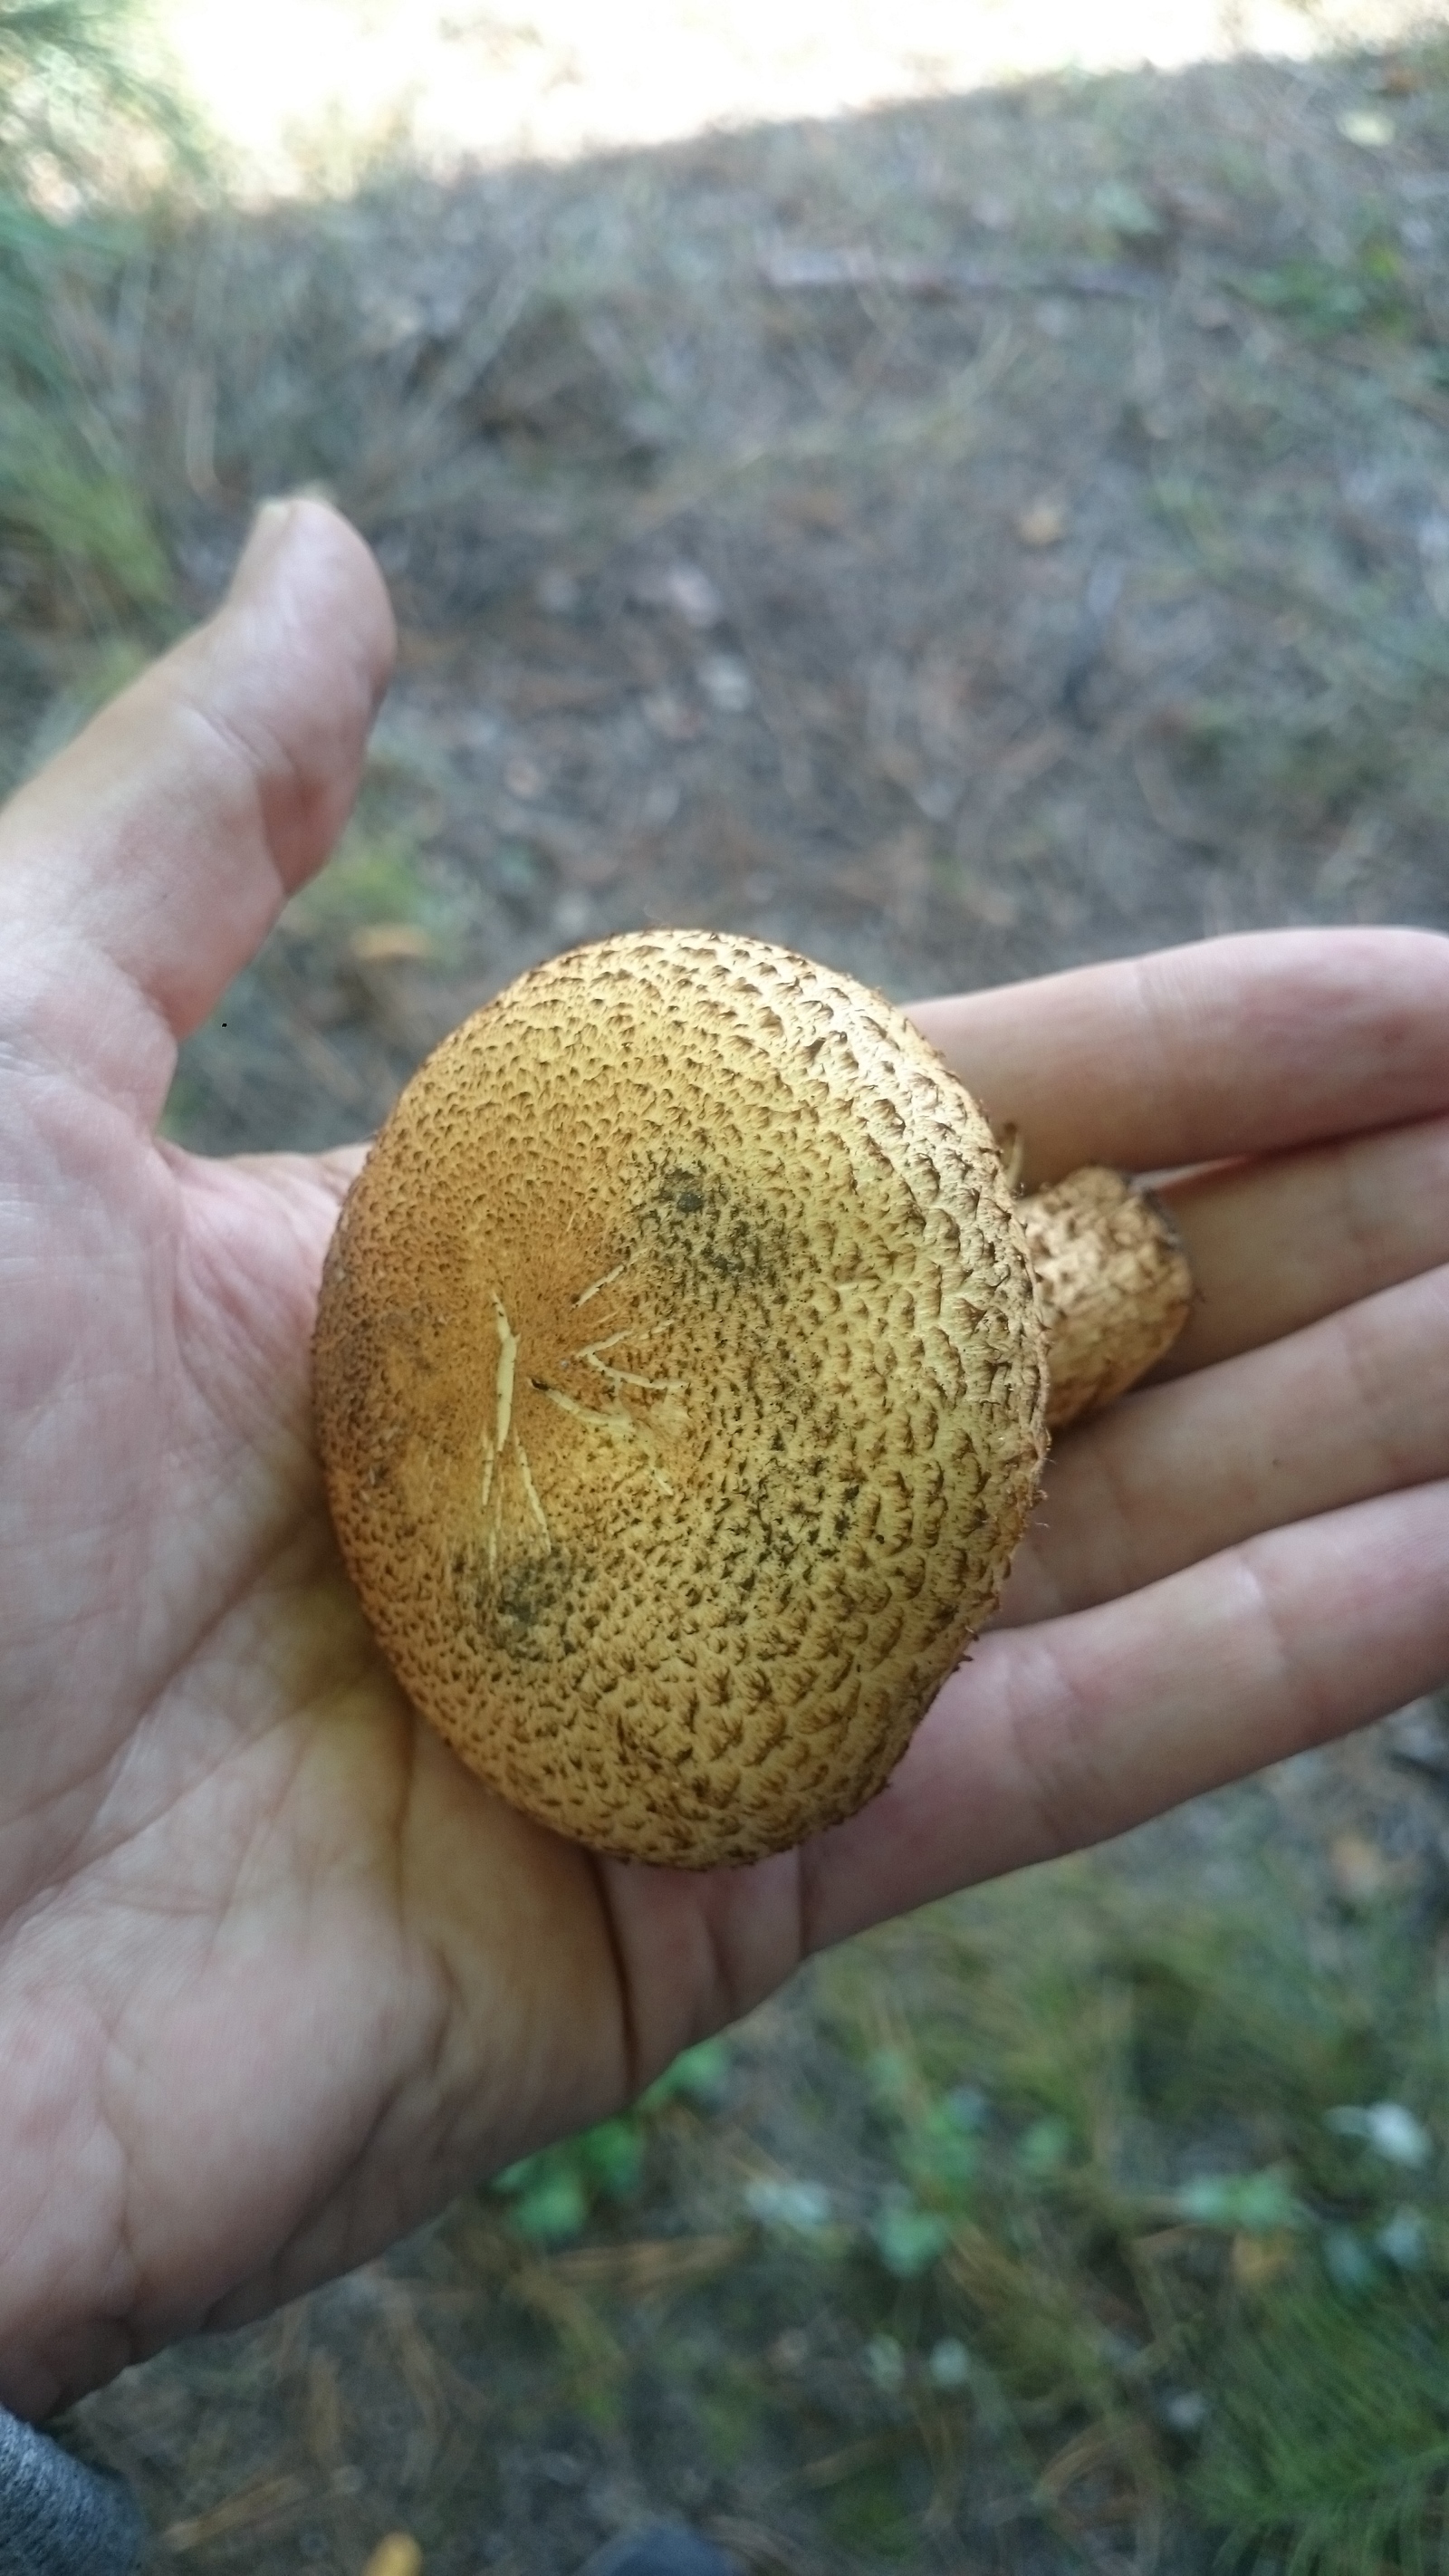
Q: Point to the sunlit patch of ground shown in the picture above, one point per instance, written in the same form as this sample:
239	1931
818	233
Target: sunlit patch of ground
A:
306	90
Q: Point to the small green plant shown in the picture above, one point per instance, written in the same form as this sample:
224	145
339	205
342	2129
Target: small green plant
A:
935	2145
1252	2204
907	2238
1325	300
553	2195
1188	2218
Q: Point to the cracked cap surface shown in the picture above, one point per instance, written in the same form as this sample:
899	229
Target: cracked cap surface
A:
680	1390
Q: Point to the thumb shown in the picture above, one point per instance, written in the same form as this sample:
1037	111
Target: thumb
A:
145	865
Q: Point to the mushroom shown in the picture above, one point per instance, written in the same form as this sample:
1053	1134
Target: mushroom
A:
682	1386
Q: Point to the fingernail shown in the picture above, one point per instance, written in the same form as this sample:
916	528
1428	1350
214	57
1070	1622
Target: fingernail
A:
266	537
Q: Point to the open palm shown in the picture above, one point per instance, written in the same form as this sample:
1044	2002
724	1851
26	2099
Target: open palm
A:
276	1975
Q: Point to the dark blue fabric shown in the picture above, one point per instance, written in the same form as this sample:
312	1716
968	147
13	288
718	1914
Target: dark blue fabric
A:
58	2518
662	2550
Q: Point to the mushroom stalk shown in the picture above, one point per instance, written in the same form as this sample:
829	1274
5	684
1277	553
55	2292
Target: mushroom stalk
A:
1113	1286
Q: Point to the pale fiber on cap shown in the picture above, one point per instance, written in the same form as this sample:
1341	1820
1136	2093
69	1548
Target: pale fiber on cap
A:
680	1392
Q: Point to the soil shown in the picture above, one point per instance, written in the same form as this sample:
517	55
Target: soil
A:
957	541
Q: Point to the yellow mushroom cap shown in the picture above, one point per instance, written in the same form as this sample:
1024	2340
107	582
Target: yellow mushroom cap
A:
680	1392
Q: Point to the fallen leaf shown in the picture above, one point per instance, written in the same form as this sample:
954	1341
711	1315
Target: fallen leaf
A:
668	715
1044	523
398	2555
1368	127
241	2512
389	943
1257	2260
688	590
1361	1872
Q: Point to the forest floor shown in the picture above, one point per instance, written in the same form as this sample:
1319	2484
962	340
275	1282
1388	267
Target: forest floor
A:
957	540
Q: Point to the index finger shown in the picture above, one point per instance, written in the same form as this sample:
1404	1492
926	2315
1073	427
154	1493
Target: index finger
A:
1230	1047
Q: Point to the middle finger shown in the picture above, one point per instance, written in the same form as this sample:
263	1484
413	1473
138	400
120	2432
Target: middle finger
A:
1278	1242
1353	1406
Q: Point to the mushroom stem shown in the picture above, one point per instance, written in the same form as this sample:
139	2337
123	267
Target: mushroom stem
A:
1113	1286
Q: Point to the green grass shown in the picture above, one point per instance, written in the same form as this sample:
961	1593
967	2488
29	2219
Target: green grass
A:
1161	2213
68	70
83	116
372	878
1326	299
76	541
1145	2211
1329	2440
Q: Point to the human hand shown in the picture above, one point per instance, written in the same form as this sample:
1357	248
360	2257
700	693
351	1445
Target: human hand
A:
276	1975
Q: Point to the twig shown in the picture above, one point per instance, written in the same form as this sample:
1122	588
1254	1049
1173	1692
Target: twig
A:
262	2502
1166	807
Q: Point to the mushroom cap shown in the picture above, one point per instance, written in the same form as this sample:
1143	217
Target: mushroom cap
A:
680	1392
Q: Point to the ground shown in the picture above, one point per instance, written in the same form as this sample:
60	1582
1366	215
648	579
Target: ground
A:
956	540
